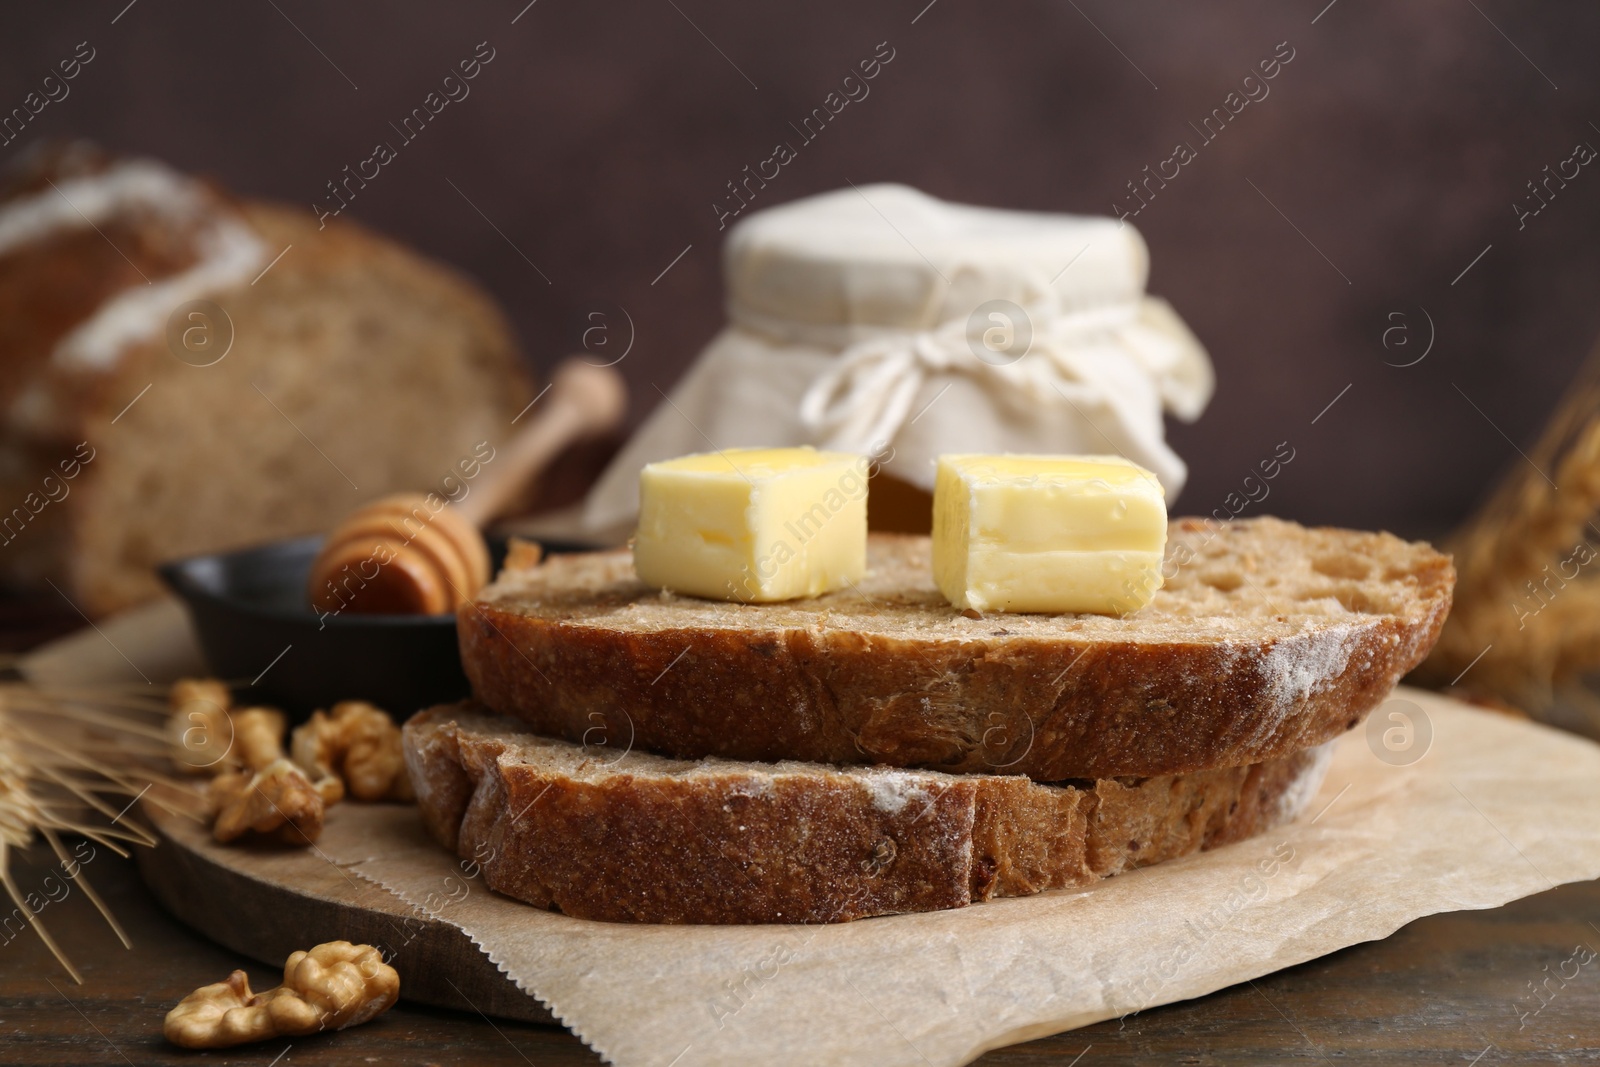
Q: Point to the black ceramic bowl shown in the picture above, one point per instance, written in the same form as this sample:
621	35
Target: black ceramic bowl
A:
256	630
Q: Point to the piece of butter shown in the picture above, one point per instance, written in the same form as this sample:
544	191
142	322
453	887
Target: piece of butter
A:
753	524
1047	533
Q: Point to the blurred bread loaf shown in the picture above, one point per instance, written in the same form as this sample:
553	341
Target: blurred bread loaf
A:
329	367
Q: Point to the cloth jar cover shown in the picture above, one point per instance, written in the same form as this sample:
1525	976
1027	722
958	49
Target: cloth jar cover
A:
863	320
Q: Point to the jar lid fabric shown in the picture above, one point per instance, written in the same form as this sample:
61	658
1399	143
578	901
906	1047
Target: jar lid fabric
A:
890	256
860	320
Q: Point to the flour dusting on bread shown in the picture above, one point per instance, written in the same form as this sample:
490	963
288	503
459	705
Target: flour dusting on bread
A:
655	840
892	790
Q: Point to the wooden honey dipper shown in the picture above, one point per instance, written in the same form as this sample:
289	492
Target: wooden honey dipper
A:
417	554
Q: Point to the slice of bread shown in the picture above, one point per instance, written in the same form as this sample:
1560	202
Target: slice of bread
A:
1266	639
624	836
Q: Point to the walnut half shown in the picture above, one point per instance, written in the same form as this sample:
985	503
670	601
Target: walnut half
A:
258	736
331	987
200	729
357	744
209	736
278	801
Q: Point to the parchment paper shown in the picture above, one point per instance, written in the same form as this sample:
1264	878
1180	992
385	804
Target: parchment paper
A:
1494	809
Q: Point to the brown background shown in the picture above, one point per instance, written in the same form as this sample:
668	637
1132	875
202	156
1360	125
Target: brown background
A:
598	138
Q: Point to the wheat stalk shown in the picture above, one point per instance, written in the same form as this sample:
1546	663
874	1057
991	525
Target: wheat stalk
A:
67	756
1527	611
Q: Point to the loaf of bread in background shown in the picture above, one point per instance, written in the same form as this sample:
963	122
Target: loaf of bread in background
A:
355	368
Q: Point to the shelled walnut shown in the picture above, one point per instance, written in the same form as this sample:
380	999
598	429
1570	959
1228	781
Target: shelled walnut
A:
199	729
277	801
354	749
258	735
522	555
209	736
331	987
357	744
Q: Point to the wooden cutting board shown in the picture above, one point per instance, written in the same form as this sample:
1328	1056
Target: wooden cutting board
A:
268	903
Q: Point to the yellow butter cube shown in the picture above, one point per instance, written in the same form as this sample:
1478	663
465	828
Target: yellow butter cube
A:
1047	533
753	524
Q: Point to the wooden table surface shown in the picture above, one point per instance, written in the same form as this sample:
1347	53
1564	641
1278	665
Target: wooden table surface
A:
1440	991
1479	988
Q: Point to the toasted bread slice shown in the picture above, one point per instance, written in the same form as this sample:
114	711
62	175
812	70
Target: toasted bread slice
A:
607	833
1267	638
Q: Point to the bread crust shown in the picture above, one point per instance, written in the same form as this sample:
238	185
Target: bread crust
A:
641	838
1269	638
